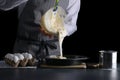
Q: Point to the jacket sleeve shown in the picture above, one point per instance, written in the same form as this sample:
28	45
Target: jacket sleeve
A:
72	15
10	4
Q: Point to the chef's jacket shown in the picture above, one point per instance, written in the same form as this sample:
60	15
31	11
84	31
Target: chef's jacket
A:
30	12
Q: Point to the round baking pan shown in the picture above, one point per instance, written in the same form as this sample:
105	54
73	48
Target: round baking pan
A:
70	60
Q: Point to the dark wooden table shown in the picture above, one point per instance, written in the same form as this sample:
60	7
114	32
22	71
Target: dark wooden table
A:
58	74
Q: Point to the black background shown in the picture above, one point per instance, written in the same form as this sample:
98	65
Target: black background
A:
97	29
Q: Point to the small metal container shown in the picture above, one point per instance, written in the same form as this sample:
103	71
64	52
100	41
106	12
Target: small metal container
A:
108	59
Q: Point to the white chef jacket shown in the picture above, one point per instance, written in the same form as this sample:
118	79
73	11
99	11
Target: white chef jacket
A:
70	22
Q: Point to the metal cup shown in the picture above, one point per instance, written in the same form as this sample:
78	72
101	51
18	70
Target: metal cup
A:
108	59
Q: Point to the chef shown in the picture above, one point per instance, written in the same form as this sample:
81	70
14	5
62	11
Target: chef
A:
30	35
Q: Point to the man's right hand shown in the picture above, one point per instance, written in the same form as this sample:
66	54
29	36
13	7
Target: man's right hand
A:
46	33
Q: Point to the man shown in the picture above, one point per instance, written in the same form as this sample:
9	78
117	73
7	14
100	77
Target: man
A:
29	37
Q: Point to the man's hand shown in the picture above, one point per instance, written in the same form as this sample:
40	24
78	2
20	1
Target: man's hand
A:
46	33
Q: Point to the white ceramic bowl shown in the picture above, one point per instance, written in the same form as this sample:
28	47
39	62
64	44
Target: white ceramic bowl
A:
52	20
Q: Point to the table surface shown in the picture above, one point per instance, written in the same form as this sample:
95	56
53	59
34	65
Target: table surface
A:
34	73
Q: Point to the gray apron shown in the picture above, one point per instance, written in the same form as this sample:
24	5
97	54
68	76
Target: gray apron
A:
29	38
